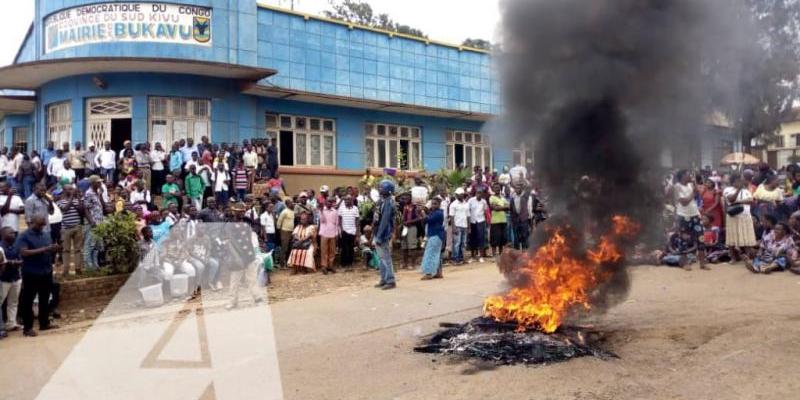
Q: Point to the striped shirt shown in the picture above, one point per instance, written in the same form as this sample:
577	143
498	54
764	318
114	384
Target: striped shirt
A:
349	218
70	218
240	179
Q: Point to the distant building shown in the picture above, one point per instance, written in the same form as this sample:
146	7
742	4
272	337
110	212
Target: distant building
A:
784	148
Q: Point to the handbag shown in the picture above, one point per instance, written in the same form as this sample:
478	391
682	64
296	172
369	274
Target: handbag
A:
735	210
301	244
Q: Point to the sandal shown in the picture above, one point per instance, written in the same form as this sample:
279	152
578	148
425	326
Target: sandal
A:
426	278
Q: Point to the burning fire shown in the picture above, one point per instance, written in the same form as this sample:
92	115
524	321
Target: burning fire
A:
558	279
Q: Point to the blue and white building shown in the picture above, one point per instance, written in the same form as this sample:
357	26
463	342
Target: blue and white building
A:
339	98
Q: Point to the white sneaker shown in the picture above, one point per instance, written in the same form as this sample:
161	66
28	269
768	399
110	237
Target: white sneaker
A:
480	260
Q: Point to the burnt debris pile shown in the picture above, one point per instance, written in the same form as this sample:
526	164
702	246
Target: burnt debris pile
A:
502	343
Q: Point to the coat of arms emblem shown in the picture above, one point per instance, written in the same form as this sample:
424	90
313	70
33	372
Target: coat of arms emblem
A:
202	29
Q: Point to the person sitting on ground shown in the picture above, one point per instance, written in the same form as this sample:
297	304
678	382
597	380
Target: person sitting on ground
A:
773	253
367	249
764	225
681	251
716	252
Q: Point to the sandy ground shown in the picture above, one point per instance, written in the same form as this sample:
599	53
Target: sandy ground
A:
721	334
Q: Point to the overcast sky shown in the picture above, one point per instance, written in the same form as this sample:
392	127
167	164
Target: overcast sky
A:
444	20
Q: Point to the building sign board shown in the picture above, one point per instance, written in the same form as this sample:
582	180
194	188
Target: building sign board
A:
127	22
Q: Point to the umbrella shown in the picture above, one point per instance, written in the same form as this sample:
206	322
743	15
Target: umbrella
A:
739	158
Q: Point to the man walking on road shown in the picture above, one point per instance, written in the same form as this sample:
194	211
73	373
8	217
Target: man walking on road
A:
383	227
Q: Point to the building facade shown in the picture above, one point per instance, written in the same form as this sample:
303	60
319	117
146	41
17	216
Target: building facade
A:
339	98
784	148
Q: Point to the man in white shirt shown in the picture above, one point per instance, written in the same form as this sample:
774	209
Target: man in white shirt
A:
11	207
67	173
477	224
106	159
518	174
419	193
55	166
250	158
3	163
348	220
459	218
194	160
221	179
188	149
15	159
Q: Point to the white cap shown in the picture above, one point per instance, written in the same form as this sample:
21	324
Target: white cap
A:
460	191
323	188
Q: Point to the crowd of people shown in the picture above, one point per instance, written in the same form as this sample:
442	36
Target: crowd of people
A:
213	215
206	212
751	216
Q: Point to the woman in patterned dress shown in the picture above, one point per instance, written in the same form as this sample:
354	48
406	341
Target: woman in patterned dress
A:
302	256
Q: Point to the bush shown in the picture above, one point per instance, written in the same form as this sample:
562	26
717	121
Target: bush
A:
118	233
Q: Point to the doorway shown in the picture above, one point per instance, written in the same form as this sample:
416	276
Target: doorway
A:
287	148
120	132
108	119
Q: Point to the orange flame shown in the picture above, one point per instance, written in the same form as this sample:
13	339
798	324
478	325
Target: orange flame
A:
558	280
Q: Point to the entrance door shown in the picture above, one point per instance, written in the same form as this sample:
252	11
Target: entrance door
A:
108	119
120	132
287	151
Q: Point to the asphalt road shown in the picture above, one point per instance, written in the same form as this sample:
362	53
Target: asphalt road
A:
722	334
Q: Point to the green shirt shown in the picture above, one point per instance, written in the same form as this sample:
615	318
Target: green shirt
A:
194	186
498	217
166	191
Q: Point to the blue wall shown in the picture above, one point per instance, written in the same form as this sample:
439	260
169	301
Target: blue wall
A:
233	35
232	114
350	129
309	54
9	122
235	116
313	55
325	57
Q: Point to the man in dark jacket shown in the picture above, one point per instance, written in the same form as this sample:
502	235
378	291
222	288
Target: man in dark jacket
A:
383	226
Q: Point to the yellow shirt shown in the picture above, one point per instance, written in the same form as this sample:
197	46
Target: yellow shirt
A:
285	220
764	194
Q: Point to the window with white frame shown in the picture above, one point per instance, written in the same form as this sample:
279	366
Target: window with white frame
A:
521	156
59	123
393	146
20	139
303	141
174	118
469	149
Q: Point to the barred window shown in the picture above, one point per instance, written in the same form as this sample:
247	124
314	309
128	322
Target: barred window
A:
393	146
469	149
174	118
303	141
59	123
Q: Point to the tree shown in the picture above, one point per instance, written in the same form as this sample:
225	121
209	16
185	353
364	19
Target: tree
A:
477	44
358	12
769	87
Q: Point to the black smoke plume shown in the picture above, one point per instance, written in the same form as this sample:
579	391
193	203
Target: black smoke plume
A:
599	88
